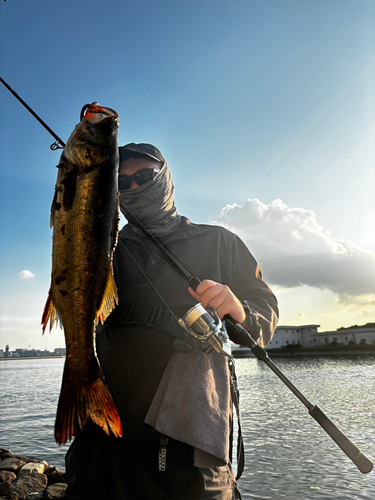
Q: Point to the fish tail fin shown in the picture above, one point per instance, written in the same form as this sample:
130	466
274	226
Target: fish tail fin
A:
49	314
110	298
78	404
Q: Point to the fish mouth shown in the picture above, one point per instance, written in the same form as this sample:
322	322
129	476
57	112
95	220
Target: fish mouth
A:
95	113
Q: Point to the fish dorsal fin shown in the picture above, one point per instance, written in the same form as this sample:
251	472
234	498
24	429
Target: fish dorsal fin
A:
50	314
110	298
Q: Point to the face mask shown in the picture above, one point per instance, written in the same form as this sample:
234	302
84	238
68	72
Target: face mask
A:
153	204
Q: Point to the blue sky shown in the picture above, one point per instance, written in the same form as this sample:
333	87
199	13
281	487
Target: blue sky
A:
264	110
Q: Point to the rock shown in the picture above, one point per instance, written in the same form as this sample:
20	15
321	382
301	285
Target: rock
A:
35	496
6	476
4	488
29	483
37	467
55	491
55	475
24	478
24	459
11	464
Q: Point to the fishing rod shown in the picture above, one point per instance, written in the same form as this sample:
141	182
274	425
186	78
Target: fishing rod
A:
202	322
363	463
59	144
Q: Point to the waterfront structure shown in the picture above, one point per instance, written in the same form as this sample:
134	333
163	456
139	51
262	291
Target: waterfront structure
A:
31	353
347	336
308	336
293	335
59	351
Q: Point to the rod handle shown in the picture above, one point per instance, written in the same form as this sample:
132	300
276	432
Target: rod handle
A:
363	463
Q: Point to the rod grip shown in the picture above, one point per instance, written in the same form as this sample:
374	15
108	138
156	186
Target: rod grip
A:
363	463
194	283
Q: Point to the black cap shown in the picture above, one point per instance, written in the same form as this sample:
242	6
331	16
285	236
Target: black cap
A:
144	149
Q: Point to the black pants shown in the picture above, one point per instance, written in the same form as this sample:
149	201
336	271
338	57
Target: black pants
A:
111	470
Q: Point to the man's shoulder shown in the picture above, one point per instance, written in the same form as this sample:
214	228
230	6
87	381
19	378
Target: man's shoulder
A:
185	229
213	229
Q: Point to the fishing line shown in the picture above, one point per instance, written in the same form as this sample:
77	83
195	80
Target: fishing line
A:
24	119
58	144
160	259
148	279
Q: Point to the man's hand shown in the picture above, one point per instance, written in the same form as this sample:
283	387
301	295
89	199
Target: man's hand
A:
221	298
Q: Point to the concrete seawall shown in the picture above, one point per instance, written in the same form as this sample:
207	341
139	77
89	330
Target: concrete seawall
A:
297	353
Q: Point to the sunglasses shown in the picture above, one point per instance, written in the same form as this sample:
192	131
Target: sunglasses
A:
140	178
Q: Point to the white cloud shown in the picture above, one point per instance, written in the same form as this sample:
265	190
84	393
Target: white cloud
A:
366	301
294	250
25	274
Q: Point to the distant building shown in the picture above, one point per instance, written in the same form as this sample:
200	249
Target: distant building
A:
31	353
59	351
346	337
308	336
292	335
17	353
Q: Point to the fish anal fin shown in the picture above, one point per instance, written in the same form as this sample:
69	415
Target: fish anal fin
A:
78	404
110	298
50	314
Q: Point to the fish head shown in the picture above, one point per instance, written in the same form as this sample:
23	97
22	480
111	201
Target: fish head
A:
94	139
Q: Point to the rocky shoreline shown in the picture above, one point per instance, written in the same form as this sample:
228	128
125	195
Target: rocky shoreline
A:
24	478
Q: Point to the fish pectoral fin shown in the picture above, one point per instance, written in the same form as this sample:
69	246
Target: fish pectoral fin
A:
54	208
49	314
110	298
65	190
69	183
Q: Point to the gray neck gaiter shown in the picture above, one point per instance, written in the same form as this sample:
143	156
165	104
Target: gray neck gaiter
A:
153	204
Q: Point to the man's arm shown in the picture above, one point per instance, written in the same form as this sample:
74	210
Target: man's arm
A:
246	297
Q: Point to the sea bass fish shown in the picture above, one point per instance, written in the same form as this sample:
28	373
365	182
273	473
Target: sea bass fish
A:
84	216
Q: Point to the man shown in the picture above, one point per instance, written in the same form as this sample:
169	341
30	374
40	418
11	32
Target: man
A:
174	400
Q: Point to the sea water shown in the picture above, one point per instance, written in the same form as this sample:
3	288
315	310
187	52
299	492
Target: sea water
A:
288	455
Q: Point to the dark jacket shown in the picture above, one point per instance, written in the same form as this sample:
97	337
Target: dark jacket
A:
133	355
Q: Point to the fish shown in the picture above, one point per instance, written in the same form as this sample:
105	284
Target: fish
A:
84	217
